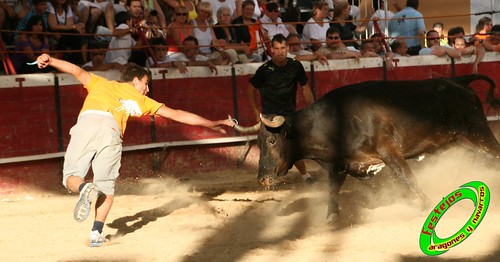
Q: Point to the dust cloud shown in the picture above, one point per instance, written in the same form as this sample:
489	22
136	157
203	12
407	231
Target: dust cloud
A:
227	216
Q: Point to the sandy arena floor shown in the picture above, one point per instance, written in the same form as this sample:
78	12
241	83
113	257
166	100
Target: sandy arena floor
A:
226	216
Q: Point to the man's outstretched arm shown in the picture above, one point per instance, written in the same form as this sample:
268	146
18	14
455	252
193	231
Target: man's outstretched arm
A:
81	75
192	119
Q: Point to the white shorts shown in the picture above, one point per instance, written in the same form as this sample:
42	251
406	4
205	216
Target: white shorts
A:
96	140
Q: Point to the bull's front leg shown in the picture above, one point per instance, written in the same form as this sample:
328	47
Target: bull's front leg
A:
335	179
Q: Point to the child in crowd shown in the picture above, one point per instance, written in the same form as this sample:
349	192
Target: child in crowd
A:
159	46
121	42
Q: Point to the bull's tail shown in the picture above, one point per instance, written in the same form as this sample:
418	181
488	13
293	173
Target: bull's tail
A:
490	96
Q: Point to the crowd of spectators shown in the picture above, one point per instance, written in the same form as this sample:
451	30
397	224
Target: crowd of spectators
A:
153	33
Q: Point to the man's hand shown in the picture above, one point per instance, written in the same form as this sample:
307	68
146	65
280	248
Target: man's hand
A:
321	58
218	125
212	67
181	66
43	61
80	28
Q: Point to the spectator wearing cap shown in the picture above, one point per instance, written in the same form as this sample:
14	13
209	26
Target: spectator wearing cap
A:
272	23
492	43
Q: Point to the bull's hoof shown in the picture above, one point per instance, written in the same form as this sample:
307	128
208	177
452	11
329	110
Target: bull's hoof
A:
332	218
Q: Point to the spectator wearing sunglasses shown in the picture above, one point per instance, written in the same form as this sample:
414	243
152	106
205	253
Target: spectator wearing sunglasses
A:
178	30
272	23
434	47
334	48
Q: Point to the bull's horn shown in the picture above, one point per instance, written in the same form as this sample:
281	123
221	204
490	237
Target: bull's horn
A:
244	129
277	121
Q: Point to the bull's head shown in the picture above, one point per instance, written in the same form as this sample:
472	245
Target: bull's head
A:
274	154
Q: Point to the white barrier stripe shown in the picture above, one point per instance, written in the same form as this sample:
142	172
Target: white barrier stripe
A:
209	141
493	118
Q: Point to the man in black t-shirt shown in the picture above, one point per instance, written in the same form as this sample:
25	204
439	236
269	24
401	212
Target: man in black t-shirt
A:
277	81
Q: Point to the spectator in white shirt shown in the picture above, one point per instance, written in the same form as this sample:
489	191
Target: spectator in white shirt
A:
315	29
272	23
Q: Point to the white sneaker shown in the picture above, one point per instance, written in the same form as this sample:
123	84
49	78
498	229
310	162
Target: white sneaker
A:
96	239
88	194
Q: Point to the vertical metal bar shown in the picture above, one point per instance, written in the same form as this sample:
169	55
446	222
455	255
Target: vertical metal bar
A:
57	102
453	71
152	118
235	92
313	81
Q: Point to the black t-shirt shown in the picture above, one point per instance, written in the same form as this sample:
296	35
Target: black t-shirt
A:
278	86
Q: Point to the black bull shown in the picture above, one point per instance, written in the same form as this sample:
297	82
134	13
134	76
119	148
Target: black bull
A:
359	129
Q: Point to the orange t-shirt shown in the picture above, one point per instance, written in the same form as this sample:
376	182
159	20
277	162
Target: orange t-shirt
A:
120	99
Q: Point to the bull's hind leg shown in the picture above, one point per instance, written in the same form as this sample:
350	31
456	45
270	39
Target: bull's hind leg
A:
393	158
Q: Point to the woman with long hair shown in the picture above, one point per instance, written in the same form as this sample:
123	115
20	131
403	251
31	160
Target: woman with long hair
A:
483	27
178	30
347	28
31	43
60	19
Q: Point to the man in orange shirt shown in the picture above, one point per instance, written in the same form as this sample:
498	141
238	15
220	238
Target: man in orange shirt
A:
97	136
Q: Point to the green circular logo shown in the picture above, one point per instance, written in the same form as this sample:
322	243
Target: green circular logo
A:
430	243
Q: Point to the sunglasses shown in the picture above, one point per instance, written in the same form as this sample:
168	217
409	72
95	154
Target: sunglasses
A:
181	14
333	37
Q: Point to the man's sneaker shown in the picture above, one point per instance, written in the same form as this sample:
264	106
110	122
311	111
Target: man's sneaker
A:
310	181
97	239
82	209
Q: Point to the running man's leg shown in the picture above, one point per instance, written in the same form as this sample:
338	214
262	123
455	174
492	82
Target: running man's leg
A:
301	166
